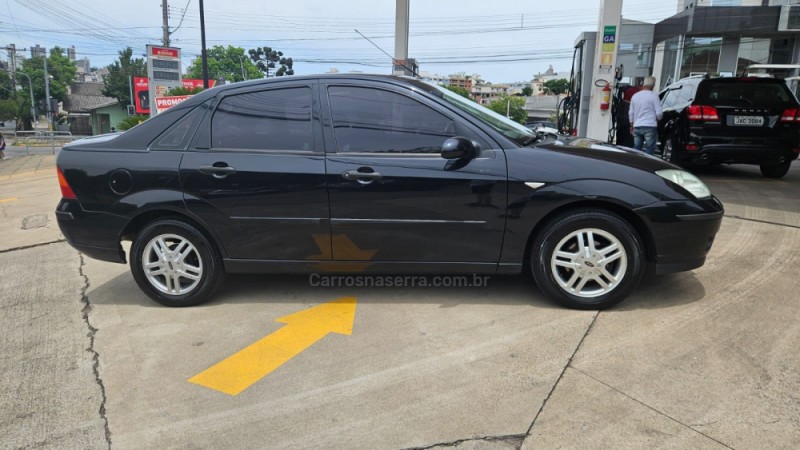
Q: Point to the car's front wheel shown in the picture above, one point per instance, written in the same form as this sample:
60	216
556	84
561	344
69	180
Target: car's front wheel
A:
175	264
776	170
587	259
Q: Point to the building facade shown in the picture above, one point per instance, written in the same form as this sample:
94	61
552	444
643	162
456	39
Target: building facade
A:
723	37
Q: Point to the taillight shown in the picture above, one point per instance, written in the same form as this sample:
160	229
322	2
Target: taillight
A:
697	112
790	115
66	191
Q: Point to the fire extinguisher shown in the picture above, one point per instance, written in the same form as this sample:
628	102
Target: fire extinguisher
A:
605	100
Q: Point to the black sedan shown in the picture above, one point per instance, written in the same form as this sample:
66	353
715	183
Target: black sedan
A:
376	174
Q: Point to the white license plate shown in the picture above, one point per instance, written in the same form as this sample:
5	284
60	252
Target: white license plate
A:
753	121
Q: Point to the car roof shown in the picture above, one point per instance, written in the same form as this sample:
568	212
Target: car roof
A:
395	79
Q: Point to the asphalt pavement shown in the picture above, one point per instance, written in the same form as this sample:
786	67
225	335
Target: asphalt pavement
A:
703	359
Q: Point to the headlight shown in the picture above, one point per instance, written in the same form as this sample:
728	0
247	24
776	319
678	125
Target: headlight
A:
687	181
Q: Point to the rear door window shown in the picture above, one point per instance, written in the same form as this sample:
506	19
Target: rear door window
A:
277	119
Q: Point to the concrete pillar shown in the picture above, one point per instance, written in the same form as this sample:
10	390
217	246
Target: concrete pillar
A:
400	36
605	61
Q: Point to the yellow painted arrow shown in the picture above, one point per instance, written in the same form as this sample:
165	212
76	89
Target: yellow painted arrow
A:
240	370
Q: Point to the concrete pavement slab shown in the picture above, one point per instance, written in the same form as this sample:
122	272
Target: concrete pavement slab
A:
715	349
422	367
584	413
49	395
29	194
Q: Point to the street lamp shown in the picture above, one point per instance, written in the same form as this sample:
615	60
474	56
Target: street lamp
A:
30	85
241	64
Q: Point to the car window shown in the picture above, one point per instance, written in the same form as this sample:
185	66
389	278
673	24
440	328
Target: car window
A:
668	101
683	95
278	119
744	93
374	120
178	135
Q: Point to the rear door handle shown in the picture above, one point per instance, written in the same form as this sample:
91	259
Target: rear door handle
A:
361	177
217	171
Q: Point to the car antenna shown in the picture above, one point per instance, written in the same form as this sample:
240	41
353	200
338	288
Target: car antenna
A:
395	61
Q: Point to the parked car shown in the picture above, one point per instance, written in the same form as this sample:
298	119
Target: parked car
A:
377	174
740	120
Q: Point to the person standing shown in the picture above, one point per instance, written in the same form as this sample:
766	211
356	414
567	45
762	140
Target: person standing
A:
2	147
645	112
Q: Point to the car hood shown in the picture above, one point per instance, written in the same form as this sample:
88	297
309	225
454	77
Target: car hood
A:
601	151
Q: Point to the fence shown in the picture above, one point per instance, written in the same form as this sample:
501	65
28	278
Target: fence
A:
50	139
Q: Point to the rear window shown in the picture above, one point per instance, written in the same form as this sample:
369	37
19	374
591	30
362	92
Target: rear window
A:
744	93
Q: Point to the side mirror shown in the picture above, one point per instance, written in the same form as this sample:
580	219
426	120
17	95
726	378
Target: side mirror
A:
459	148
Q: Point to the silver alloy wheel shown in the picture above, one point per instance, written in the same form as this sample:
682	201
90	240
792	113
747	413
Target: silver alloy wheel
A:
172	264
589	263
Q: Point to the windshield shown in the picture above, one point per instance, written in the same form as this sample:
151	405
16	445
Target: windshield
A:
510	129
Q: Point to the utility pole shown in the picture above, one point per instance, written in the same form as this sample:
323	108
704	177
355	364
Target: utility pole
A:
12	59
165	22
204	54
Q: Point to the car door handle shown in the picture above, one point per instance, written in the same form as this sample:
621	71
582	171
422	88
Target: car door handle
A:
217	171
361	177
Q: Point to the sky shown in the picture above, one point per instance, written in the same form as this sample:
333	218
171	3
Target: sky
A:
502	40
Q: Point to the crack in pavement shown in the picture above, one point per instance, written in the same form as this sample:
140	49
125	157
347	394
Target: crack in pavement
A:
730	216
95	356
561	375
653	409
513	439
41	244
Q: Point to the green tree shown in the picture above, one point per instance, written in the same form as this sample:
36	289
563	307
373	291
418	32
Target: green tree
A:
15	104
9	109
117	83
267	59
556	87
230	63
184	91
515	106
527	91
7	90
59	67
460	91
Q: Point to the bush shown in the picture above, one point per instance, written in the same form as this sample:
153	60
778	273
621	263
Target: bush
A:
131	122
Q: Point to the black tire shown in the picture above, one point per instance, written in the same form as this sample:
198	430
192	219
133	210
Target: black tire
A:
560	229
775	170
202	254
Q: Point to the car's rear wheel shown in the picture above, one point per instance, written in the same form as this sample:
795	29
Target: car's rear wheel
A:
587	259
668	152
175	264
776	170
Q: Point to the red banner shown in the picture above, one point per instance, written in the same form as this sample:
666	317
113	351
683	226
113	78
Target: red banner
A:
141	95
164	103
164	51
192	83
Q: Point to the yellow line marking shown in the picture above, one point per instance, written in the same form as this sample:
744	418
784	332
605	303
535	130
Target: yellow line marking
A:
245	367
6	200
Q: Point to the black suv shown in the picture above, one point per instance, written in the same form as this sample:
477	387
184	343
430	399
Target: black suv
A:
741	120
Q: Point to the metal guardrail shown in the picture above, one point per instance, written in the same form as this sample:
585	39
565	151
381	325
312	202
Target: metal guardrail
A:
45	139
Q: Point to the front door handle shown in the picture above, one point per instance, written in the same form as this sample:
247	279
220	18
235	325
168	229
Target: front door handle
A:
217	171
361	177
